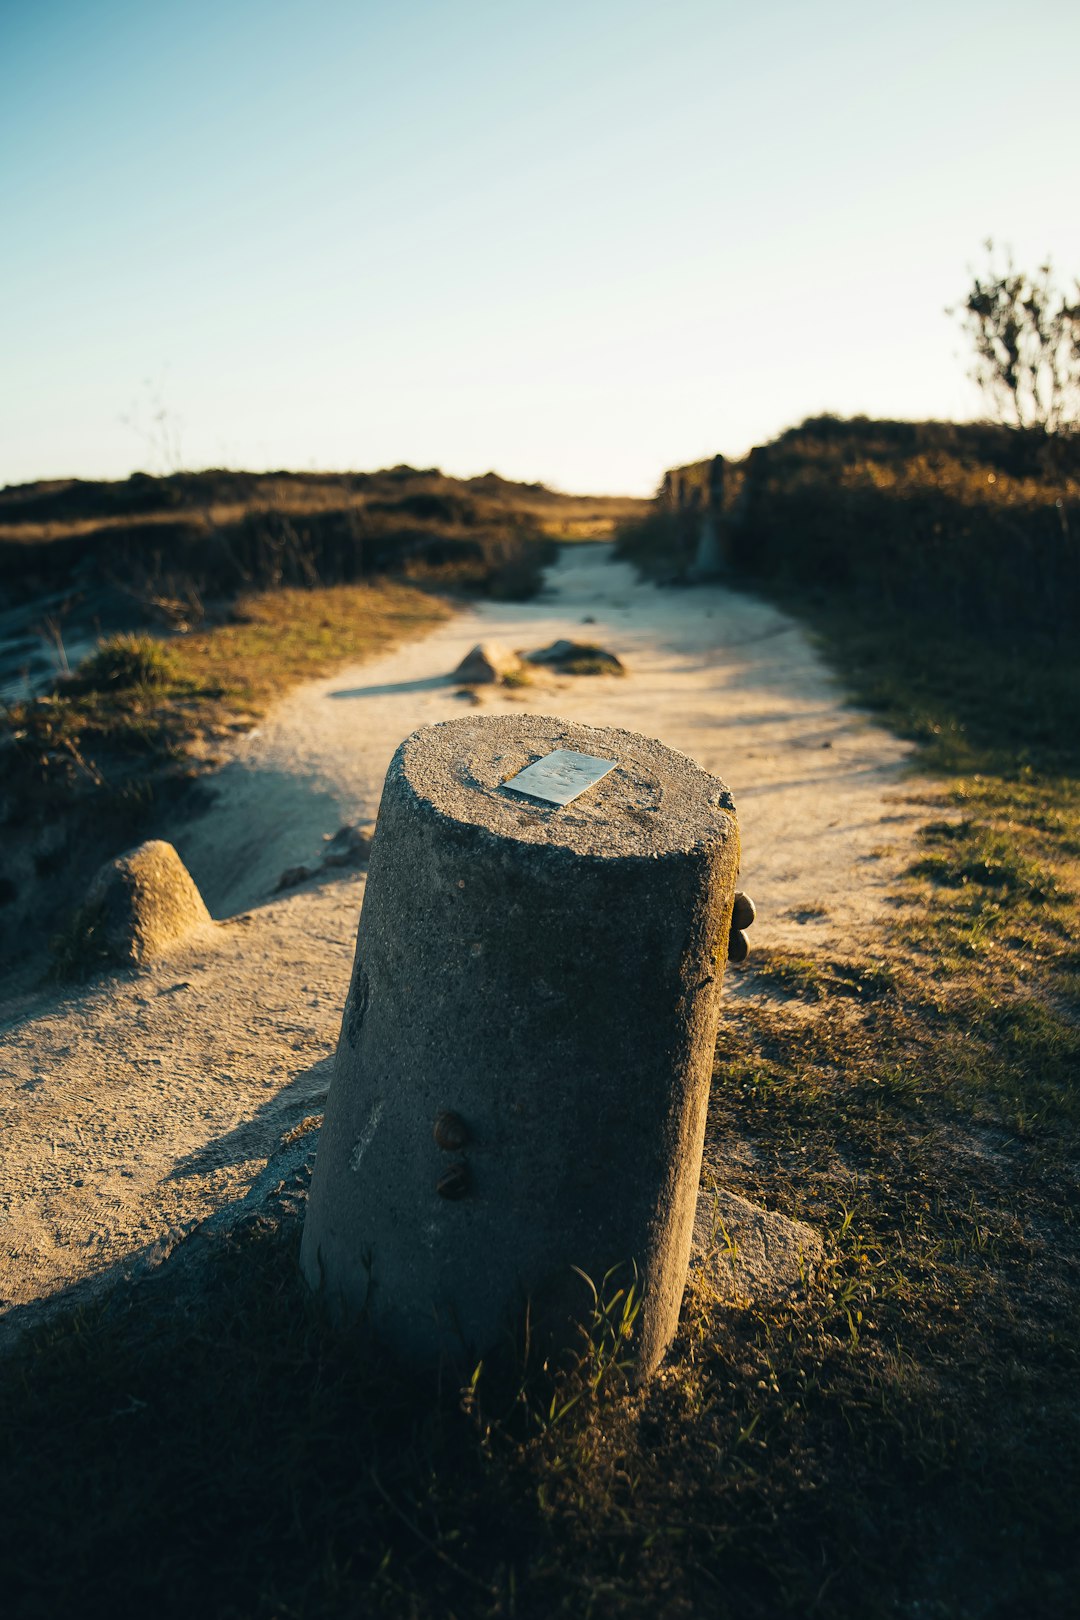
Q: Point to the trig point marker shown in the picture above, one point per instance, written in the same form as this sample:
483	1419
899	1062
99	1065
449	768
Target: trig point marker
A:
523	1071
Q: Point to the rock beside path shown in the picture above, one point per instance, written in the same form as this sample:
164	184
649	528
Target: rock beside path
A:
750	1252
487	664
145	902
577	658
349	846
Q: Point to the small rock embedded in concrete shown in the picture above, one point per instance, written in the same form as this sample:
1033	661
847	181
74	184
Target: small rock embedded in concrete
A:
455	1182
146	902
451	1132
743	911
577	658
487	664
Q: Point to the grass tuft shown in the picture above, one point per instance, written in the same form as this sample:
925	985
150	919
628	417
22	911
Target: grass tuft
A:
967	853
126	660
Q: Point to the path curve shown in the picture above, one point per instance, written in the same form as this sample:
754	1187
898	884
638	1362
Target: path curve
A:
142	1105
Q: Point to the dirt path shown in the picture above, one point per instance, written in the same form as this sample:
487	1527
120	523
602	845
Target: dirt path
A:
146	1103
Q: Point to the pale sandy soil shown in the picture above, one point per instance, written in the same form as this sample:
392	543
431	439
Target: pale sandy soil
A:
151	1100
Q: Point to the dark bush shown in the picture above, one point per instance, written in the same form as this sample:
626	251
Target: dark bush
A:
969	525
429	506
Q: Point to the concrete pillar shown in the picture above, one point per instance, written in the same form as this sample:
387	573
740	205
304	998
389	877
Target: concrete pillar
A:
523	1072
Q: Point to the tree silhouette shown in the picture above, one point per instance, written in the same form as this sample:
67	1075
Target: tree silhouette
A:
1026	335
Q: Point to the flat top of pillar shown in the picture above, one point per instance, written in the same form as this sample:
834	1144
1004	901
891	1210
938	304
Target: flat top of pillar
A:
654	802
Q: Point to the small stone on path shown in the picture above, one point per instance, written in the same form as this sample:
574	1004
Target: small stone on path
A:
487	664
144	902
349	846
577	658
292	876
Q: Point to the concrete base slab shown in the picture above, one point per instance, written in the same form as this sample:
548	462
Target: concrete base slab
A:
750	1253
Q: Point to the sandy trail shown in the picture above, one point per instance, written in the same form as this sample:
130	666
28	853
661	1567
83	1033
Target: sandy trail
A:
151	1100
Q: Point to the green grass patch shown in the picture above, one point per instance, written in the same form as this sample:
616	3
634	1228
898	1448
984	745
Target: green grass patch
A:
79	949
965	853
814	977
588	662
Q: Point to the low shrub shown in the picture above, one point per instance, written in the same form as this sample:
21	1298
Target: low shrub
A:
125	660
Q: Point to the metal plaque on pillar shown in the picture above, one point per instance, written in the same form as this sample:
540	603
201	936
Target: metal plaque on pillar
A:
560	777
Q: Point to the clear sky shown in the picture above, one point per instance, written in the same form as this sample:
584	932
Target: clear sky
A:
573	240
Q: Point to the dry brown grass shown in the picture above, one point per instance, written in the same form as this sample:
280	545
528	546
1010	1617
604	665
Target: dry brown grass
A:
556	515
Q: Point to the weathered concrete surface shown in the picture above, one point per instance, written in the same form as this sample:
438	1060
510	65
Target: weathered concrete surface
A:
552	978
147	902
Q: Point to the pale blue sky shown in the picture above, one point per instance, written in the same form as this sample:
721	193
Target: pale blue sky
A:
575	242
